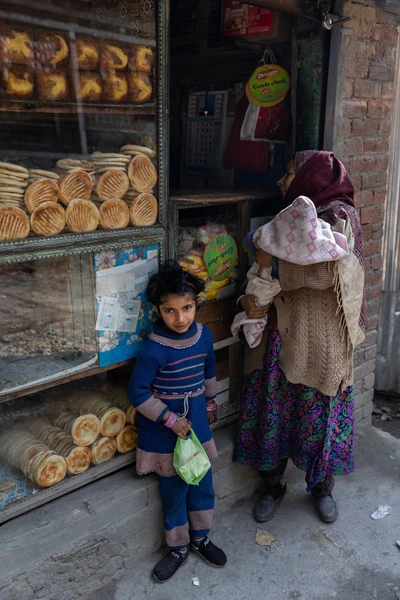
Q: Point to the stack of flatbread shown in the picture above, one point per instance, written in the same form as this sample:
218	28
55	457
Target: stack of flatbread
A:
35	174
111	419
22	450
13	182
110	161
84	429
77	458
65	165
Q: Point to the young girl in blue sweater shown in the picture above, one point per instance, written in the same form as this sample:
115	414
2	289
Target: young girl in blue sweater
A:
173	388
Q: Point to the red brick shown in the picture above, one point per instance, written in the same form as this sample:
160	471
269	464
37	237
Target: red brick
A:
354	109
366	198
371	353
380	71
373	292
362	164
389	53
385	127
353	145
372	322
364	88
379	110
372	247
373	180
382	162
356	67
365	126
386	33
370	339
356	181
369	50
380	196
348	88
376	144
387	90
344	128
367	229
372	278
376	263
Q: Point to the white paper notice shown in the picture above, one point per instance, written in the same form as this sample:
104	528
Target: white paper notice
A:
115	283
114	316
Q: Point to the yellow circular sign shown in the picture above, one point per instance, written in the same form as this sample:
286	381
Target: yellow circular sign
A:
268	85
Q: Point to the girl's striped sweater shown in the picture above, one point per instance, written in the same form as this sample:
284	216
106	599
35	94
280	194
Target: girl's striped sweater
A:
172	371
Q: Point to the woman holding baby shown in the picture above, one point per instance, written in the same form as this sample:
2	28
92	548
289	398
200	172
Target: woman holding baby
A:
300	405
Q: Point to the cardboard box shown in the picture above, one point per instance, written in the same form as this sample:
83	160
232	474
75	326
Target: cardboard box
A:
254	23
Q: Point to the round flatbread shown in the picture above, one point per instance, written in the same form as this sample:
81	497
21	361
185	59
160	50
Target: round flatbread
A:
126	439
142	174
103	450
77	184
114	214
112	184
43	190
14	223
144	210
48	219
81	216
39	173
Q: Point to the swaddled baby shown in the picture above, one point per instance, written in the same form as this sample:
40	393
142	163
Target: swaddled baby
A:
296	235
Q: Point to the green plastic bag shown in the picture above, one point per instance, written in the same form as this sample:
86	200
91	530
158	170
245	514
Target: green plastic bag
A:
190	459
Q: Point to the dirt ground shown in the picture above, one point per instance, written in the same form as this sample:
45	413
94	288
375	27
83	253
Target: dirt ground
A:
386	413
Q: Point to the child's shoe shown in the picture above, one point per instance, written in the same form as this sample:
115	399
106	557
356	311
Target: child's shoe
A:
213	556
168	566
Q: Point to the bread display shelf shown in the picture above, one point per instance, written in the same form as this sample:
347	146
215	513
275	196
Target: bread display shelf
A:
35	106
43	495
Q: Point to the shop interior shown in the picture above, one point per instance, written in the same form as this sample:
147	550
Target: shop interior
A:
219	185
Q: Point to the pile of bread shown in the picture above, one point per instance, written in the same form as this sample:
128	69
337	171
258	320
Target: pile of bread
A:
110	191
90	432
41	64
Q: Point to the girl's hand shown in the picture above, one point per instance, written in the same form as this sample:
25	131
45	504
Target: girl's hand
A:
181	428
211	416
264	260
252	310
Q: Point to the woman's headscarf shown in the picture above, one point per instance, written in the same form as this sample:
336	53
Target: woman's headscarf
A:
321	177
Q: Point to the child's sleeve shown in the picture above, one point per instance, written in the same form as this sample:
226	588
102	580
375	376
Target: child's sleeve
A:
210	380
139	389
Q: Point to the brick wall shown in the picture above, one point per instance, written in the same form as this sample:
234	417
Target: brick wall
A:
362	135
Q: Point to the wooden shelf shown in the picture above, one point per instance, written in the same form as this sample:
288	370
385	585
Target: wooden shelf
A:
66	379
72	108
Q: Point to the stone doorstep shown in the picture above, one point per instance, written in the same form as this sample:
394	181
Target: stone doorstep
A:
122	509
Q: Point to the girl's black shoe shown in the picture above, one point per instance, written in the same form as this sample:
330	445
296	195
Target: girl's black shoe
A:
213	556
169	565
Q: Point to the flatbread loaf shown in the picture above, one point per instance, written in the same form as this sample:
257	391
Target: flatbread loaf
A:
126	439
77	184
81	216
43	190
114	214
142	174
103	450
48	219
112	184
14	223
144	210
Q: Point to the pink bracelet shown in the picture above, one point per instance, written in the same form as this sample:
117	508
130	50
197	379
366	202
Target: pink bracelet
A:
211	407
172	419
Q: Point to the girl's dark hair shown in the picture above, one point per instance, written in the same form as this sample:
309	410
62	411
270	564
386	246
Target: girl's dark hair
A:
172	279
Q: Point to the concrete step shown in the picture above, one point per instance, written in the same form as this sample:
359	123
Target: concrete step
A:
85	539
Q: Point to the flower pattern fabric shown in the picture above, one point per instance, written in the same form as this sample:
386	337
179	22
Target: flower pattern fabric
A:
282	420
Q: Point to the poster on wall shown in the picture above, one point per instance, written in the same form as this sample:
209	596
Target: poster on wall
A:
124	316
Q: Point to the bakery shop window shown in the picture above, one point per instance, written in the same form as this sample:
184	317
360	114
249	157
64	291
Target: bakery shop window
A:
78	118
57	440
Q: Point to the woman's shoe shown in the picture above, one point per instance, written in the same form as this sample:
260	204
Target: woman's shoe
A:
168	566
327	509
266	507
